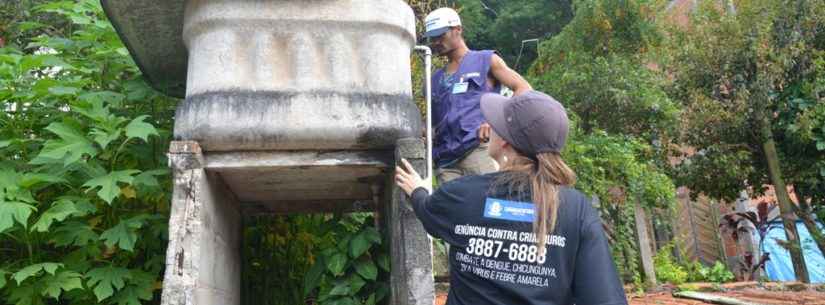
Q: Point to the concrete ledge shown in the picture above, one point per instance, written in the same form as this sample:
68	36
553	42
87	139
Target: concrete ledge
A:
220	161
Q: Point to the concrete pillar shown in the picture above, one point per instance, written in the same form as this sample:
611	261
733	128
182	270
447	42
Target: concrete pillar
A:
411	279
203	258
644	245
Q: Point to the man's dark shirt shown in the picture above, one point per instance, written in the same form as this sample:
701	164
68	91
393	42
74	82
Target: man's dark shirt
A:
493	257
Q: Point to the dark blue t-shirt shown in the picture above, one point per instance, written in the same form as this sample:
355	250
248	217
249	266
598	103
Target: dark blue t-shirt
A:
493	256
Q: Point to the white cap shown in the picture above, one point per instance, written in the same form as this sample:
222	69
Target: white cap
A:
439	21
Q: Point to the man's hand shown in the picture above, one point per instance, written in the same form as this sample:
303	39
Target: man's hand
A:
484	132
408	179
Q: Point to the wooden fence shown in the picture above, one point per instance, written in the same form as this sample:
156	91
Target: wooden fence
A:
696	228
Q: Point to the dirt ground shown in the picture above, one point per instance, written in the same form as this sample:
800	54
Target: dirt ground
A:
752	292
752	295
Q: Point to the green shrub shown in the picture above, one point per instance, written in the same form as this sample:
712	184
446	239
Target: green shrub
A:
697	272
667	270
719	273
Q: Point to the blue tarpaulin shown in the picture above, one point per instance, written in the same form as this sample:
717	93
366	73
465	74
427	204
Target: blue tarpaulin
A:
779	267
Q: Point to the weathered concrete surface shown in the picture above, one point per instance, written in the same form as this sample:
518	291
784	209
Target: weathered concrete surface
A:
296	45
410	247
203	258
294	75
302	181
268	120
151	30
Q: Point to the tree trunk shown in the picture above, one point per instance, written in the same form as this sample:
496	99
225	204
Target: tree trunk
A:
785	205
804	212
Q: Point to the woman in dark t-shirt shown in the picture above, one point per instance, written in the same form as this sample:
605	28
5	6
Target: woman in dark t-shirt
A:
521	235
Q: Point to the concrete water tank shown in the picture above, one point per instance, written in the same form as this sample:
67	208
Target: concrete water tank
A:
285	75
279	75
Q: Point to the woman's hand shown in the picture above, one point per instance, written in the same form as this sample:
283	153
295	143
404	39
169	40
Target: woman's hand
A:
408	179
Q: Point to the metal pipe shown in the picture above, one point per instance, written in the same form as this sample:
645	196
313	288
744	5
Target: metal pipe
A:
536	40
428	96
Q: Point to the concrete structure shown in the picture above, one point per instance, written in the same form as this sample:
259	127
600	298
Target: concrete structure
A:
290	106
203	258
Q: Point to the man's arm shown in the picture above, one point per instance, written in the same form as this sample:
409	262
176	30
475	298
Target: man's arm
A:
506	76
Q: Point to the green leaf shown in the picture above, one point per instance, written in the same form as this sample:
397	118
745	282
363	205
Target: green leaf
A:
3	278
8	180
82	205
355	283
26	295
337	263
372	235
11	211
32	270
343	243
65	280
313	277
61	90
124	234
341	288
382	291
140	287
370	300
29	25
5	143
137	128
384	262
58	212
366	268
106	280
343	301
71	146
54	61
147	178
100	98
73	233
103	137
359	245
131	295
31	179
109	189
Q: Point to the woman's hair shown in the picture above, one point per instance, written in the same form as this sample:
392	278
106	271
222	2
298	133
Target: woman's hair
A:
542	177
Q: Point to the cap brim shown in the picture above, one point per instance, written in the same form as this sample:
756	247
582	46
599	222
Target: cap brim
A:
492	107
436	32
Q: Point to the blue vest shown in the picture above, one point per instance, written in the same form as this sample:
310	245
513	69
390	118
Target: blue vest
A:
456	107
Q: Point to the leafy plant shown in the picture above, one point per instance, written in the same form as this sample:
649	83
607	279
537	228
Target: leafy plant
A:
347	271
667	269
278	253
719	273
84	188
736	224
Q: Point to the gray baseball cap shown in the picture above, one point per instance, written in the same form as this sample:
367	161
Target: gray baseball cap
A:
532	122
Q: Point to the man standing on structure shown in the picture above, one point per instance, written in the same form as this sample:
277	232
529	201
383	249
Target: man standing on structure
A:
460	133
